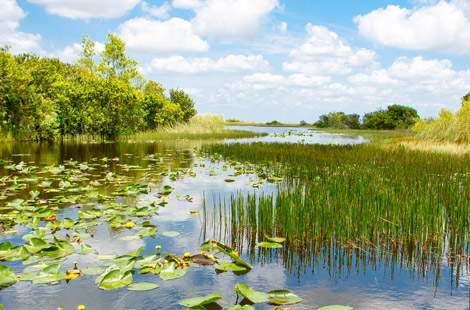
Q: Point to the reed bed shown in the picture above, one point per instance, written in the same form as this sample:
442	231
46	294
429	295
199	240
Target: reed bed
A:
199	127
388	203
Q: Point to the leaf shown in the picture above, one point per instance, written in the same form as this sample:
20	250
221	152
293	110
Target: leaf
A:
85	249
269	245
142	286
240	307
92	270
229	180
136	252
169	272
7	276
274	239
250	294
115	279
283	297
170	234
149	231
200	301
336	307
49	274
229	267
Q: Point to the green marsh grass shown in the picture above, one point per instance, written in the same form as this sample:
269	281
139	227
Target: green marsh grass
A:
385	203
199	127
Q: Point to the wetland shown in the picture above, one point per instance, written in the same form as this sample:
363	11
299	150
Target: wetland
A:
330	218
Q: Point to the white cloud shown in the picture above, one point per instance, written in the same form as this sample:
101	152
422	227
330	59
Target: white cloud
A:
86	9
231	63
380	77
160	12
228	20
10	16
420	69
187	4
268	80
153	36
324	53
443	27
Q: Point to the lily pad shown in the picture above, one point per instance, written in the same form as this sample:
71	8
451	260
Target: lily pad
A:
229	267
142	286
200	301
49	274
283	297
169	272
115	279
269	245
275	239
170	234
92	270
250	294
336	307
240	307
7	276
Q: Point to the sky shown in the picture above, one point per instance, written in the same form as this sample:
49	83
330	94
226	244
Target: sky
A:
265	60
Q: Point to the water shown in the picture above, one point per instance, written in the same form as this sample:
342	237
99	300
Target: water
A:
320	278
297	135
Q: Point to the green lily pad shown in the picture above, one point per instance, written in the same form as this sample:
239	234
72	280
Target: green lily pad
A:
169	272
85	249
283	297
7	276
170	234
275	239
240	307
269	245
229	180
142	286
92	270
166	190
36	245
250	294
336	307
200	301
115	279
229	267
49	274
136	252
148	231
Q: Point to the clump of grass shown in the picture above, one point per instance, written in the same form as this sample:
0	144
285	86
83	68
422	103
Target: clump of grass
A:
388	203
199	127
447	127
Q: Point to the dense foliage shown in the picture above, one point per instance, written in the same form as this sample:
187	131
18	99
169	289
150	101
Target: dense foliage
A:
44	98
448	126
396	116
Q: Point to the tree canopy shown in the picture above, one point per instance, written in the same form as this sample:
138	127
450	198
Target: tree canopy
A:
45	98
396	116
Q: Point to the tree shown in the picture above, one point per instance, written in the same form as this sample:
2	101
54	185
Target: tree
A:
185	102
87	54
396	116
116	64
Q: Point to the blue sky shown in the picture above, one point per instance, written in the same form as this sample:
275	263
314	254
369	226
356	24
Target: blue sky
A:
264	60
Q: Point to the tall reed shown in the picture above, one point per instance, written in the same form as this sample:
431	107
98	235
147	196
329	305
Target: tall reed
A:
391	202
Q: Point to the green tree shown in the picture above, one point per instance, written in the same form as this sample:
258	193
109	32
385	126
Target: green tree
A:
116	64
185	102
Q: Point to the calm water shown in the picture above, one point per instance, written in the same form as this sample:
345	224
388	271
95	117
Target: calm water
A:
330	275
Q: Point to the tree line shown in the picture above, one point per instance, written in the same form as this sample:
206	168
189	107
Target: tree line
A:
395	116
44	98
